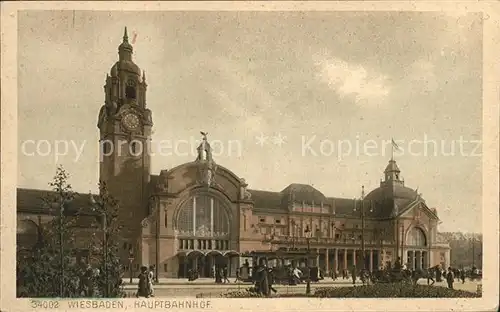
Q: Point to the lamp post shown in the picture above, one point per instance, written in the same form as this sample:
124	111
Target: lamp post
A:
308	280
98	207
130	261
363	215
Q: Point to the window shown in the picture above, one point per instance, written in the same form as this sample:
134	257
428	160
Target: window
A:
165	220
106	147
203	216
133	148
125	245
416	237
165	267
130	92
337	236
277	221
262	220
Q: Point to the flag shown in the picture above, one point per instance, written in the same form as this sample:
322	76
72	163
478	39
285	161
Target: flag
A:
134	37
394	144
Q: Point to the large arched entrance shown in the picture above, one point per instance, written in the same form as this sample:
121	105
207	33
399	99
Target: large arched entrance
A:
203	236
417	249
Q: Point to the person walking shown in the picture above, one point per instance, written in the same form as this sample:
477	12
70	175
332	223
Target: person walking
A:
224	274
143	285
450	278
151	276
462	275
354	275
430	276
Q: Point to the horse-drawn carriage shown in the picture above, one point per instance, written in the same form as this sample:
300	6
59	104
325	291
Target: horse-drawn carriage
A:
389	276
282	272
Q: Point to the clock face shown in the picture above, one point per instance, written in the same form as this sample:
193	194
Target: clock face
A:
131	122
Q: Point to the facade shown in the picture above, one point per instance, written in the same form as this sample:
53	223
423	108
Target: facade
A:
200	213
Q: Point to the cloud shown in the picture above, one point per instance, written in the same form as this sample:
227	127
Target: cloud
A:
422	73
351	79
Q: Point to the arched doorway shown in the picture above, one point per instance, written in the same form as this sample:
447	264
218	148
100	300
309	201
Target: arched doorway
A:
417	249
202	228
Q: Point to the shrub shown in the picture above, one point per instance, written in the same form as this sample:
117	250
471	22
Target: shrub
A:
368	291
244	293
393	291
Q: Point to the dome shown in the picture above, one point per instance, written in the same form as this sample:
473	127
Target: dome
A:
391	191
305	193
124	65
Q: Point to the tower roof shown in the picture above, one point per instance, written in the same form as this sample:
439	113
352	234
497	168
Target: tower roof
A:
125	62
392	167
125	46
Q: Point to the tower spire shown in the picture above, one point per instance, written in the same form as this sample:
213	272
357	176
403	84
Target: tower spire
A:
125	35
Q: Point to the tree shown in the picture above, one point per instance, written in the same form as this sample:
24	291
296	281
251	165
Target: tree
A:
49	270
108	243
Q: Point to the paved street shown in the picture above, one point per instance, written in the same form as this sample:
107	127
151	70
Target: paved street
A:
207	288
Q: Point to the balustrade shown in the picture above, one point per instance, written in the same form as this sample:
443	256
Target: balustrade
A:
203	244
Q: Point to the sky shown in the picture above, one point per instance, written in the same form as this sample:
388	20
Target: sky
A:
282	96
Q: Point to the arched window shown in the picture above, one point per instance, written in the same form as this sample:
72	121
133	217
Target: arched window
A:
130	92
416	237
203	216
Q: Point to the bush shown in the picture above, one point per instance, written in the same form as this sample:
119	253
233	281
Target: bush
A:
244	293
393	291
369	291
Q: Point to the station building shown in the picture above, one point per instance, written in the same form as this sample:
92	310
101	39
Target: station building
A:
200	213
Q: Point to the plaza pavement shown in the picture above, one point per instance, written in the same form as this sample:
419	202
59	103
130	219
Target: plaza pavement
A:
207	288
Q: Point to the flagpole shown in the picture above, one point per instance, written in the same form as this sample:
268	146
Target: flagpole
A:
392	148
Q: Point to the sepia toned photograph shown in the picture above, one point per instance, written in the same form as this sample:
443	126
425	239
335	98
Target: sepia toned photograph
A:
176	157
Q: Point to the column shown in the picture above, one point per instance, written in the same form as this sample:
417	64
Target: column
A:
371	260
345	258
418	260
212	217
327	260
354	257
336	260
194	216
317	259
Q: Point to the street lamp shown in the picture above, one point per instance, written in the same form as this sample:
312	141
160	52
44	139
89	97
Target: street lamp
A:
363	214
130	261
100	208
307	232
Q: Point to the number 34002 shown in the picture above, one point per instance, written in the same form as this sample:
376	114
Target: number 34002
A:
44	304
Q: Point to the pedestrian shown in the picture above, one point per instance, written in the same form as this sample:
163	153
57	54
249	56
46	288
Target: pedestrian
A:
430	276
450	278
462	275
354	275
151	279
297	275
143	285
237	275
224	274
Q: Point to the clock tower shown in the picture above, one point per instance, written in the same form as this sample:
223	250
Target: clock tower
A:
124	125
